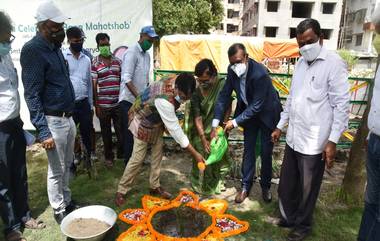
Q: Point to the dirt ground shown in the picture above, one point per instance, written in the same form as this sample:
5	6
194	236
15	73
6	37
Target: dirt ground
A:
176	168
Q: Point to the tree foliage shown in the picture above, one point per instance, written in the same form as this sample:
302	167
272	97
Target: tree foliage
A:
186	16
349	57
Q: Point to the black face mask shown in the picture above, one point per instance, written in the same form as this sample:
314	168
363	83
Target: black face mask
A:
57	37
76	47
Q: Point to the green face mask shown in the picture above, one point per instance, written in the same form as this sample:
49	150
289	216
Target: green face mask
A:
105	51
376	43
146	45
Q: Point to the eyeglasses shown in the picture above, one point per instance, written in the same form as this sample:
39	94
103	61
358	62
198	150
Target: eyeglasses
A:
11	39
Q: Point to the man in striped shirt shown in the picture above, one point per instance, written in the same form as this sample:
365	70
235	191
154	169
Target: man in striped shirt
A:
105	73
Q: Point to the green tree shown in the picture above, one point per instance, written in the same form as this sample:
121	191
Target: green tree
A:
354	181
186	16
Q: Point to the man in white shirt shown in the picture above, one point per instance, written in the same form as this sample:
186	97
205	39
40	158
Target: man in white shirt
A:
370	225
152	112
14	209
80	76
134	79
317	112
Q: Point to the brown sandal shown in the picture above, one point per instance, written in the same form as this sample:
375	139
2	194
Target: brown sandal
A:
34	224
119	199
15	236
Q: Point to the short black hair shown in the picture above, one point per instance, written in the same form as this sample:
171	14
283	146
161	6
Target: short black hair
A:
5	23
234	49
101	36
205	65
186	83
309	23
74	32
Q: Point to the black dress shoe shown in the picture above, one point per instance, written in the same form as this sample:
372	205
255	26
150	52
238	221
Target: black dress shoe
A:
284	224
72	206
267	195
60	216
298	234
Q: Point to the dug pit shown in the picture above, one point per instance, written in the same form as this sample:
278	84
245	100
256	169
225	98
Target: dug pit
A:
181	222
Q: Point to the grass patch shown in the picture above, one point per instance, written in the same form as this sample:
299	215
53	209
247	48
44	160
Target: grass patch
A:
333	221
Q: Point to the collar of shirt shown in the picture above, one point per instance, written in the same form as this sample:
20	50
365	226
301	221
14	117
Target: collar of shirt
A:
68	52
99	60
43	42
139	48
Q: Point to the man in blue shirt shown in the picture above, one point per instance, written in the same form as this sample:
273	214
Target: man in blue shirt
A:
135	71
50	97
258	110
80	76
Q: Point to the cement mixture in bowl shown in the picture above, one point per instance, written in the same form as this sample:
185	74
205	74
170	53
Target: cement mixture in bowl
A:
85	227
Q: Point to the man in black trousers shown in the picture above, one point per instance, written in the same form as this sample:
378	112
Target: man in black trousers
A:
14	208
316	111
258	110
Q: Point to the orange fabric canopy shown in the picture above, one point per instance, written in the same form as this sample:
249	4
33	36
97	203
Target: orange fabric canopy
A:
274	48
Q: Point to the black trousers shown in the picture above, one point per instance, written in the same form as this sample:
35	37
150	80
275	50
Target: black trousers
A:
300	182
251	133
128	136
109	116
14	206
82	115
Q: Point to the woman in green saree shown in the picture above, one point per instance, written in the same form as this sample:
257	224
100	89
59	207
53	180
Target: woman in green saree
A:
198	126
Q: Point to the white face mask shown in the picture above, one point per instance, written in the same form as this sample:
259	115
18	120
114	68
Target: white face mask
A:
311	51
239	69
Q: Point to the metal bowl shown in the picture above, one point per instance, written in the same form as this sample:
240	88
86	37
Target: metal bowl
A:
101	213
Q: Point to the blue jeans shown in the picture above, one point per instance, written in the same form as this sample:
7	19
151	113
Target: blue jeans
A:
370	225
59	160
128	137
251	131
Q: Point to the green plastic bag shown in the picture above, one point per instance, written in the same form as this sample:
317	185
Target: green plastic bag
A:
218	147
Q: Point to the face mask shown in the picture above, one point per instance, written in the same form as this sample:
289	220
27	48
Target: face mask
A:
205	85
57	37
146	45
239	69
76	47
311	51
376	43
105	51
4	48
178	99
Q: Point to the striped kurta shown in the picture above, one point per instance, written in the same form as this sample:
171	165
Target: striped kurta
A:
108	81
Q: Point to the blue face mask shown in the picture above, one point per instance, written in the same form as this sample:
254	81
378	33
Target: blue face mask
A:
178	99
4	48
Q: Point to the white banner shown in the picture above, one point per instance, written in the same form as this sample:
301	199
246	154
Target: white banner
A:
122	20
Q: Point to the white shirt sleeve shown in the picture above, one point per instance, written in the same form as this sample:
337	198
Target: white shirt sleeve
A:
168	116
339	97
128	66
89	82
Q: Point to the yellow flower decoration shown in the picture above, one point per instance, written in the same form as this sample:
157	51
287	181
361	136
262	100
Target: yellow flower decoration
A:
222	225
